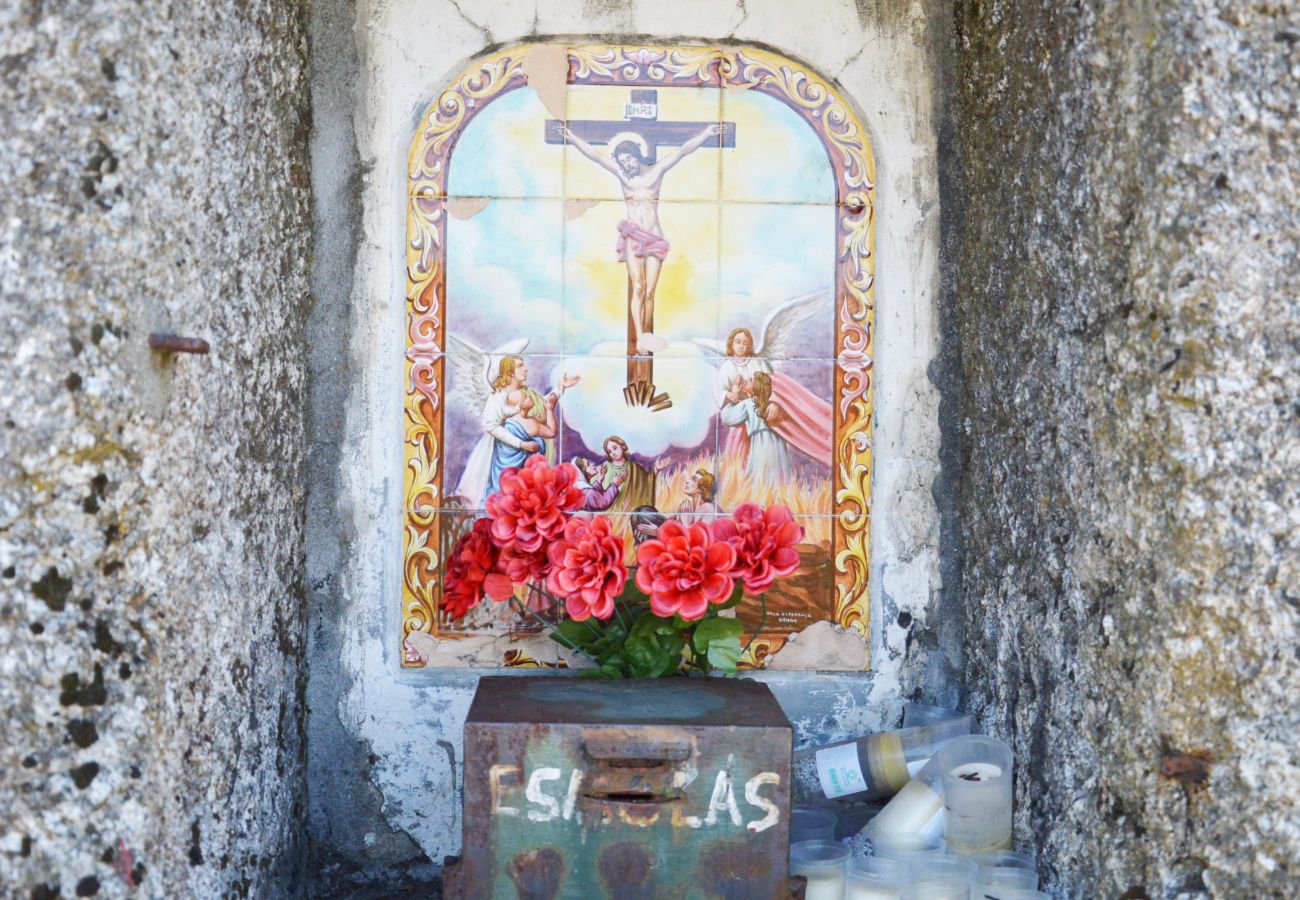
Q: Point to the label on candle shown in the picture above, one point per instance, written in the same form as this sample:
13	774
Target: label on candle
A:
839	771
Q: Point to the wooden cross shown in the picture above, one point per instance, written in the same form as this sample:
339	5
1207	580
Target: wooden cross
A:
641	117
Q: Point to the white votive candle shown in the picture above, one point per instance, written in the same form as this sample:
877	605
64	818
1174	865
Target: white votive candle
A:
823	864
876	878
916	809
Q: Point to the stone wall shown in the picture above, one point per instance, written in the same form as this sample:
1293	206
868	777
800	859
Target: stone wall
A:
151	527
1127	282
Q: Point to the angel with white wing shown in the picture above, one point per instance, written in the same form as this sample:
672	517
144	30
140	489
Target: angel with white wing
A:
516	420
768	412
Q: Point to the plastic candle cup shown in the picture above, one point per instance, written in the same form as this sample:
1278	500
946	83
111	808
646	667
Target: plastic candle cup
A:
824	865
938	889
876	878
875	766
905	846
998	883
1006	859
915	714
976	772
807	823
943	867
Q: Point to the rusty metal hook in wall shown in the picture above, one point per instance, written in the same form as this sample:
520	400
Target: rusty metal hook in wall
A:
174	343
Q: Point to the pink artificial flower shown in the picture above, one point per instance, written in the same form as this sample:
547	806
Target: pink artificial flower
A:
764	542
523	566
533	505
684	570
587	569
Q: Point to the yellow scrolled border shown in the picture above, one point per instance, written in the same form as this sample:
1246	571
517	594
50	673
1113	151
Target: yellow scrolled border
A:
849	152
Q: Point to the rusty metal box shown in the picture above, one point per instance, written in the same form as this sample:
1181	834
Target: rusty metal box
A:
669	788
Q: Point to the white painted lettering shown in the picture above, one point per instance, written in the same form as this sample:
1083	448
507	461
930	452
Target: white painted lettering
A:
752	796
571	798
681	779
495	774
723	798
550	807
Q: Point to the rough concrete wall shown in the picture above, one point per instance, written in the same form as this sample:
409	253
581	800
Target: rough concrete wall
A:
385	743
1128	291
151	519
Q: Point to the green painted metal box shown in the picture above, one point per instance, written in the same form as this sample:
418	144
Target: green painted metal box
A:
669	788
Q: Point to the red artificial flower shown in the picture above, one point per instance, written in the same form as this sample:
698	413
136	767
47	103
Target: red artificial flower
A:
764	542
684	570
533	505
587	569
470	566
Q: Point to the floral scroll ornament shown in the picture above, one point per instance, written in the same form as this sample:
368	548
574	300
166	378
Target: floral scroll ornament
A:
848	150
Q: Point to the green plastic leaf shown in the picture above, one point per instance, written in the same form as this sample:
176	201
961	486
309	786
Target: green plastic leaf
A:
570	632
724	654
716	629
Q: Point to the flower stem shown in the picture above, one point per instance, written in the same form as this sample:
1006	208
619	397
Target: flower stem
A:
547	626
762	617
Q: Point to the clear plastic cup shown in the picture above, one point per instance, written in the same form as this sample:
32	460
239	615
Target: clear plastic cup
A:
938	889
808	823
824	864
915	714
999	883
905	846
876	878
935	866
1006	859
977	782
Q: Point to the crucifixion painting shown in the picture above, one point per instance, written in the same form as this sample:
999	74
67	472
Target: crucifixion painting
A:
690	330
641	243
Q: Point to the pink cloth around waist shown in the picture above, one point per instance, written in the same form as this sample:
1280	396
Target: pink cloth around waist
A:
642	243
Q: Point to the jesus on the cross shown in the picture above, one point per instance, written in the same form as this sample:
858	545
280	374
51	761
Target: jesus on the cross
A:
641	242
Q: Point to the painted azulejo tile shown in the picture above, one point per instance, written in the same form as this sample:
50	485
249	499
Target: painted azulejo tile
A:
519	291
502	151
777	270
776	434
662	269
643	144
502	407
778	157
505	275
796	605
640	451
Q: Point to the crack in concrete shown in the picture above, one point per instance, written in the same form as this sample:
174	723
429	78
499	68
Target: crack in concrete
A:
744	17
855	57
481	29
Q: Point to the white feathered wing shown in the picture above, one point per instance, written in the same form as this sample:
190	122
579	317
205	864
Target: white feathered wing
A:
473	370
